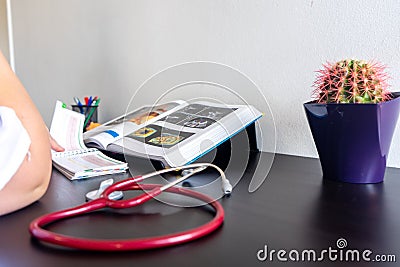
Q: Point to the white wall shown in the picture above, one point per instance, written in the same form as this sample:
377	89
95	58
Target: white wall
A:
73	47
3	29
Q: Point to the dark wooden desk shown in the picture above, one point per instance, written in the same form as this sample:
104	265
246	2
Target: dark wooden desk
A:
294	209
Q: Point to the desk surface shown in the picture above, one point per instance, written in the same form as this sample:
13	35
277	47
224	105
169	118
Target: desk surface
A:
294	209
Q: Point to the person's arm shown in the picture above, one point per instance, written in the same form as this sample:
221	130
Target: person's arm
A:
31	180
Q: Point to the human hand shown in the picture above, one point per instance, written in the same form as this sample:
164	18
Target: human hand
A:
55	146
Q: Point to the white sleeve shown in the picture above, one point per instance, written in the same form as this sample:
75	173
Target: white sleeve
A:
14	144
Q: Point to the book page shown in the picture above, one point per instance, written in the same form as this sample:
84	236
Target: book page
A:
179	125
185	133
85	162
196	116
157	136
107	136
78	161
115	129
145	114
168	132
66	127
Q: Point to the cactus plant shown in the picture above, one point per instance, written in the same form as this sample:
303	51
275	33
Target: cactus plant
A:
351	81
369	126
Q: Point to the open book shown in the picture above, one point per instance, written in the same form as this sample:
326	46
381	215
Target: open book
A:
175	133
78	161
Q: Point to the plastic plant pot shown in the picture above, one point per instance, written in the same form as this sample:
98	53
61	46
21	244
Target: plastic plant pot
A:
353	140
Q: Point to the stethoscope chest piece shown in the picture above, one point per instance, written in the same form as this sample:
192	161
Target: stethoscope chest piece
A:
116	195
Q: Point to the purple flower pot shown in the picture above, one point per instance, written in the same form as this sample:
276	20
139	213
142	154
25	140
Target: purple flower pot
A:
353	140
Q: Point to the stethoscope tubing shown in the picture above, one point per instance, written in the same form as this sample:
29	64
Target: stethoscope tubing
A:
36	227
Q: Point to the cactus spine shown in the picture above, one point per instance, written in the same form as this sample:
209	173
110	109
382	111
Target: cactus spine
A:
351	81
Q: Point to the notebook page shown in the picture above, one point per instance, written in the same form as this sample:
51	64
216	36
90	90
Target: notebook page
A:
89	161
66	128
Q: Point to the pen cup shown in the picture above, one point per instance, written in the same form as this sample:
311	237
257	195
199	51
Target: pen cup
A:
90	113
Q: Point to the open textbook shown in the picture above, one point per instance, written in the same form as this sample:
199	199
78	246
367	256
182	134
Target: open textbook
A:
78	161
175	133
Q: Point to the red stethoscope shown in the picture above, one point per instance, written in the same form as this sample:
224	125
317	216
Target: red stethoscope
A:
37	230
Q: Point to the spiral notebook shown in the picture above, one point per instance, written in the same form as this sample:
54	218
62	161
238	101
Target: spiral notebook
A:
78	161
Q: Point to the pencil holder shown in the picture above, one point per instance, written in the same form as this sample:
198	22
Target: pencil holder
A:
90	113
